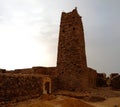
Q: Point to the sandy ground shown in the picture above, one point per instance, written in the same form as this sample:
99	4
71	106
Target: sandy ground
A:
91	98
63	101
110	102
112	97
57	101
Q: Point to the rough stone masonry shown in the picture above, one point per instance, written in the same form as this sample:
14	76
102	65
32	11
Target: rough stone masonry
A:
71	72
71	62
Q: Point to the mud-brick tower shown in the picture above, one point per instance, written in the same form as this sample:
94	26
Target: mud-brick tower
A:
71	61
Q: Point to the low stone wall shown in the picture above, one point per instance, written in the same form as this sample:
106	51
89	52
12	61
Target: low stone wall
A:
44	70
92	75
115	82
101	80
36	70
17	87
112	75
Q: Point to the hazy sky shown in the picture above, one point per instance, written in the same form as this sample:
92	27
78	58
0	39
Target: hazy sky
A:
29	31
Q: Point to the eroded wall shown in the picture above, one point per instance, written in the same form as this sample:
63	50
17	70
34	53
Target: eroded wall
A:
101	80
71	61
92	74
17	87
36	70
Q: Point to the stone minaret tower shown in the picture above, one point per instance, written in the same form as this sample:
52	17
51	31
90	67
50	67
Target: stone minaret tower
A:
71	61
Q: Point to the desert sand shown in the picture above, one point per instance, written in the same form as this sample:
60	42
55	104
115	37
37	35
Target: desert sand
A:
53	101
110	102
63	101
99	97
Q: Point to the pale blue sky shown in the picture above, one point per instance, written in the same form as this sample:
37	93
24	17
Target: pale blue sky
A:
29	31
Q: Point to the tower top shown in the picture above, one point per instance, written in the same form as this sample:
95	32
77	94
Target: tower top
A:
73	12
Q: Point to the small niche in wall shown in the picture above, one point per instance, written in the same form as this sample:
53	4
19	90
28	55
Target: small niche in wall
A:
73	17
73	28
69	25
63	31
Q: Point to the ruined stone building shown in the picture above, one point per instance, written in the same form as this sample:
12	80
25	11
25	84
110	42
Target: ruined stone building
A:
71	72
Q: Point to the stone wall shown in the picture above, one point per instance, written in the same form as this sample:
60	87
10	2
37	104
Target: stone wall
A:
51	71
92	74
115	82
45	70
101	80
17	87
36	70
112	75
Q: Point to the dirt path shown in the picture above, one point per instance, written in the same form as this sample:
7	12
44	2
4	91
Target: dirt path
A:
58	101
110	102
73	99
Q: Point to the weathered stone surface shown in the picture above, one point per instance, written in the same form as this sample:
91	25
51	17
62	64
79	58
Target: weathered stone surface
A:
71	72
36	70
51	71
18	87
92	75
112	75
101	80
71	61
115	82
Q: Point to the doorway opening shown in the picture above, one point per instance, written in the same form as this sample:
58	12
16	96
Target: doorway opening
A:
47	87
